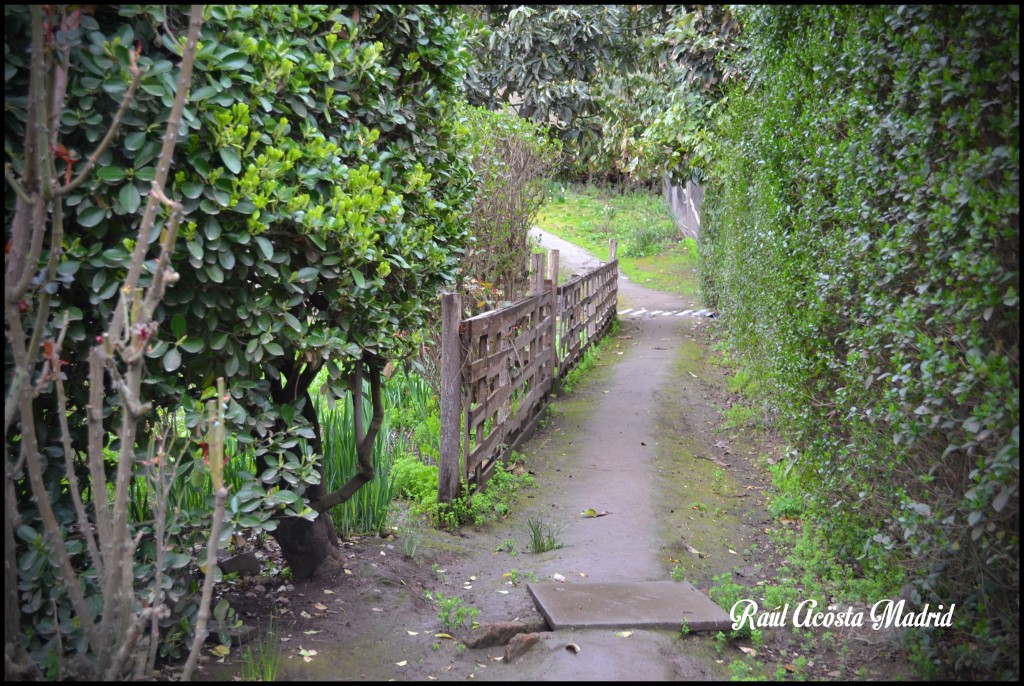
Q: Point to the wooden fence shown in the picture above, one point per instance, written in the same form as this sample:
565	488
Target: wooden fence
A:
498	368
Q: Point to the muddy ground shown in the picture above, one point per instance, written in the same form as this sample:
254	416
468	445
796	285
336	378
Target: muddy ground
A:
642	438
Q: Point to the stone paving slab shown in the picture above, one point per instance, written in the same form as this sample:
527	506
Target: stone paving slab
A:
639	605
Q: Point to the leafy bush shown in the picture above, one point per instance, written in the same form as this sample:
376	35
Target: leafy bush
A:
512	158
860	242
323	185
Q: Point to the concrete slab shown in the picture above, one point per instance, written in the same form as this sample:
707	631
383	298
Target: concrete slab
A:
640	605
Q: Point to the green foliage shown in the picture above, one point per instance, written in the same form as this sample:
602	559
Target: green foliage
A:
511	158
678	573
452	612
367	510
323	183
543	536
415	481
411	540
870	171
651	250
627	87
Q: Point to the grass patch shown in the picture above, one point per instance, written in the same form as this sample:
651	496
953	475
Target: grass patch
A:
262	656
652	252
543	536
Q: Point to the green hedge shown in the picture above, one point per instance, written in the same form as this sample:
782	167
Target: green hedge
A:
861	244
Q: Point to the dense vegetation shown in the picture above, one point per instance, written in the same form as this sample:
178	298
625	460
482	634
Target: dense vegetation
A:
627	88
861	244
323	185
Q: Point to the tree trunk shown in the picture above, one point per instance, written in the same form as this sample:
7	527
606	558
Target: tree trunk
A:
306	545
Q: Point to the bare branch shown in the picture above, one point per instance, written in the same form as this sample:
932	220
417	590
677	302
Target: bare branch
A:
90	163
18	190
164	160
69	467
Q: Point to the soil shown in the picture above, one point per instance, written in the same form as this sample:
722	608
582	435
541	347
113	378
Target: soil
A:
641	437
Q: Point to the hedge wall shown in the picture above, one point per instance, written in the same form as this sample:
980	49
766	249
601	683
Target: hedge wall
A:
861	243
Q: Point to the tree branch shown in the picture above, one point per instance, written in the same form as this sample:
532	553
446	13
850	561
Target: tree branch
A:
364	442
115	125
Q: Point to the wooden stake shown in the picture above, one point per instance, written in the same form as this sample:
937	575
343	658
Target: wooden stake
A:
451	389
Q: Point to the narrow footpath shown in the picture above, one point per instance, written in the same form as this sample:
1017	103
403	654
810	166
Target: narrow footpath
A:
637	438
601	451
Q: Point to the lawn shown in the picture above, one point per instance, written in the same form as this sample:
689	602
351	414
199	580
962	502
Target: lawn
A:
651	250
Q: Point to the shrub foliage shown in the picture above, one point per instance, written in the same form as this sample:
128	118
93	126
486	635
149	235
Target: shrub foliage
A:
861	243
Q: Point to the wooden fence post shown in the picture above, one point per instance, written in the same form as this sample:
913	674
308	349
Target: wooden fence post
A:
613	247
536	273
555	313
451	394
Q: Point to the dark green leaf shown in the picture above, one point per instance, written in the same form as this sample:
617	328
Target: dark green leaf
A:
172	359
231	159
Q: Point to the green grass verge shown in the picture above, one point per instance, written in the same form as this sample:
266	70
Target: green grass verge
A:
652	252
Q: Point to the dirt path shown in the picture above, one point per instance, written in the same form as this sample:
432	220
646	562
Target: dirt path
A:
634	439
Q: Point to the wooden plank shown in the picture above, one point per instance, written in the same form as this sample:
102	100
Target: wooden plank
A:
450	400
477	415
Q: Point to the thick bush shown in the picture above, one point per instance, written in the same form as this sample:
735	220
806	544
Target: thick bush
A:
511	158
323	184
861	244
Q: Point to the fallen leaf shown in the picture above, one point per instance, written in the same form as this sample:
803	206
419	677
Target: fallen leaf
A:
305	615
498	658
432	678
442	636
472	578
591	512
311	632
834	674
558	577
583	574
749	651
790	668
503	592
691	549
320	606
732	552
328	591
403	663
467	587
376	609
623	634
348	571
286	639
412	633
573	648
221	650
